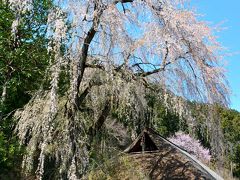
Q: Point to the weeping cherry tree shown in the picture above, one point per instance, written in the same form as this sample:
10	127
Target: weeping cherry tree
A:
106	54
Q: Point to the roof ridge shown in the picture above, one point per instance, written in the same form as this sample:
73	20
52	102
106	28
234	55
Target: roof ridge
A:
199	165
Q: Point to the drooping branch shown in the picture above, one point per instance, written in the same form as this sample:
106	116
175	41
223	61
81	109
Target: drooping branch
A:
80	67
90	35
100	121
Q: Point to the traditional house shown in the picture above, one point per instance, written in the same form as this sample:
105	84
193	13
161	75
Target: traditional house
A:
162	159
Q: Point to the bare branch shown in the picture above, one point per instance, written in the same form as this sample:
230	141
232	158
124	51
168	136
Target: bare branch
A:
122	1
98	66
144	74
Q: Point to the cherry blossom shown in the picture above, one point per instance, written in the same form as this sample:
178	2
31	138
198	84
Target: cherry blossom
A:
191	145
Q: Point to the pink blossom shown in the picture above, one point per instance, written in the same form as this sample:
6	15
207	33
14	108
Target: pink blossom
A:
191	145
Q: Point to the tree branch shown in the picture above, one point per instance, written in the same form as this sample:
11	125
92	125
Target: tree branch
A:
97	66
122	1
144	74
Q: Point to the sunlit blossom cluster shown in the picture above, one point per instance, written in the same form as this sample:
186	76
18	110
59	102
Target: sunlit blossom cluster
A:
20	8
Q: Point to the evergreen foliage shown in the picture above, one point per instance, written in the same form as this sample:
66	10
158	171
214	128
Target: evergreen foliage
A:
24	60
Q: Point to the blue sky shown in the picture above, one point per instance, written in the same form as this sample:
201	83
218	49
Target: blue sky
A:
227	11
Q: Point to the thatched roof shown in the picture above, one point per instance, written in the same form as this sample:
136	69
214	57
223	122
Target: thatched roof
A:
165	160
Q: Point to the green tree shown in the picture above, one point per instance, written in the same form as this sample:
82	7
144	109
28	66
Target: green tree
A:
230	122
24	58
23	62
